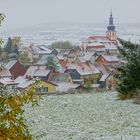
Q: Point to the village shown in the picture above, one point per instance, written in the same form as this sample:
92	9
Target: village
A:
92	65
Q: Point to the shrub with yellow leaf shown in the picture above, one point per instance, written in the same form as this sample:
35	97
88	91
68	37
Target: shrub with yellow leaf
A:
12	124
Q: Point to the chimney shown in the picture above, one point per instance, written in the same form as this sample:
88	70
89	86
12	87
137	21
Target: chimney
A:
83	68
30	78
12	76
26	76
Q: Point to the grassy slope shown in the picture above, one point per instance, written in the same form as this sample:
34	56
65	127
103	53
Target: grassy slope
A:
84	117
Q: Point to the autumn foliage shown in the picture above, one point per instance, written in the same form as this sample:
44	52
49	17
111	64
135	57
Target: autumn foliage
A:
12	123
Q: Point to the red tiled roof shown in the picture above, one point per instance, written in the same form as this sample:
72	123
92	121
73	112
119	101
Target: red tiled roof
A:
63	63
95	47
84	69
97	37
73	53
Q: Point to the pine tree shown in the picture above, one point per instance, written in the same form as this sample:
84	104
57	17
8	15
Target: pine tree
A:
129	77
51	64
8	46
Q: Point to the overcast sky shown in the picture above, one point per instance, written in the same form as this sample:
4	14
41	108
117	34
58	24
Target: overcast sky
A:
22	13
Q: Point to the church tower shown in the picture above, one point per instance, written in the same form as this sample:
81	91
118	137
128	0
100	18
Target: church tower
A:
111	33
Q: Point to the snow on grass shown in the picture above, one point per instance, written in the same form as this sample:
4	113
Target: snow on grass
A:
84	117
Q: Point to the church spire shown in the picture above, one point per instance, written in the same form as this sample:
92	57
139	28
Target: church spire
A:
111	33
111	26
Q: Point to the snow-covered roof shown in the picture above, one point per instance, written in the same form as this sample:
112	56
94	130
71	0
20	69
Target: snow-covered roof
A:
10	64
8	81
26	83
41	72
60	57
36	70
111	58
43	59
4	72
30	71
66	86
59	77
86	56
95	44
84	68
103	69
110	46
20	79
47	50
104	77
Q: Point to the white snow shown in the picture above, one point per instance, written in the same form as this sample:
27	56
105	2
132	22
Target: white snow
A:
97	116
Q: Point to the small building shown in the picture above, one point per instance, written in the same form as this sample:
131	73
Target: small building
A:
107	60
39	72
84	73
107	79
43	88
5	73
58	77
87	57
11	85
64	87
15	68
46	87
73	54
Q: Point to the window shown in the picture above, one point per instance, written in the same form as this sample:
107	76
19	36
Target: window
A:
45	89
42	90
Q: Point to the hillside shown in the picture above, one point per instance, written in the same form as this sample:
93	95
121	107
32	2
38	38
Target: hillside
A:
84	117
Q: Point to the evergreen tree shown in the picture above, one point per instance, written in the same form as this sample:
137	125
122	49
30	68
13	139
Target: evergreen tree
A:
1	50
51	64
129	73
8	46
16	51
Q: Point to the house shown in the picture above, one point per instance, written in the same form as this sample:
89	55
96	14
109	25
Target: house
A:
11	85
58	77
95	47
54	52
86	57
15	68
73	54
47	87
63	87
5	73
63	64
107	60
44	59
39	72
107	79
43	88
84	73
43	50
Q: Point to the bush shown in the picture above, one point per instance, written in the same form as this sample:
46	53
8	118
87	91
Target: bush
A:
129	75
61	45
88	87
12	124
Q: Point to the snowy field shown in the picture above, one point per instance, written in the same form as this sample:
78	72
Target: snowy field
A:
45	34
84	117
